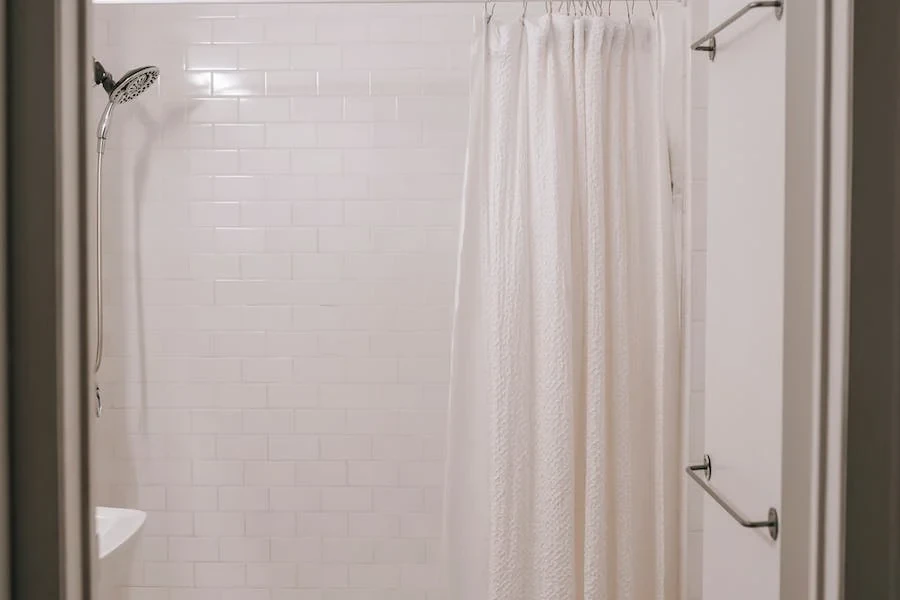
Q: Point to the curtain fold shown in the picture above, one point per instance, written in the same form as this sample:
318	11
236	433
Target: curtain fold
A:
562	470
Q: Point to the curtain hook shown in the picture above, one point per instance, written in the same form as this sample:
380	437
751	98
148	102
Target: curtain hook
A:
628	8
653	12
524	9
488	15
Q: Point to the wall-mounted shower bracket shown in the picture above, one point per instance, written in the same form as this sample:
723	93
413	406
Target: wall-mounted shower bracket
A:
708	42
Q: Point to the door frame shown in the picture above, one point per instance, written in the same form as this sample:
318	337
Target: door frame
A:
871	510
817	269
50	516
842	373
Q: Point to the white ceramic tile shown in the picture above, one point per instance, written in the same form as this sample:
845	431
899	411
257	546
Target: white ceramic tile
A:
263	57
265	161
168	574
242	83
293	31
293	447
291	135
193	549
219	575
292	83
395	29
316	161
265	266
344	135
343	83
211	57
243	549
265	213
317	109
238	135
393	56
315	56
213	110
262	110
244	30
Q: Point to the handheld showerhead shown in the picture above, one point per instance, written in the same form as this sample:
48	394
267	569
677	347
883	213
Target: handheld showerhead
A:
133	83
130	86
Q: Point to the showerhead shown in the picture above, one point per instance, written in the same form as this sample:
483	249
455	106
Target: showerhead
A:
130	86
133	84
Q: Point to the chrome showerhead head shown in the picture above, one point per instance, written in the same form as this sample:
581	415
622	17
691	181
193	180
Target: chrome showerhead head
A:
130	86
133	84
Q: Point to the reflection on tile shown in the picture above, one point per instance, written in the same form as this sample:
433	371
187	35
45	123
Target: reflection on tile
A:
243	83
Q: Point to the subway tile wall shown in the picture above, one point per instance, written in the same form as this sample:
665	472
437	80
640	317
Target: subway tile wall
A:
280	230
697	244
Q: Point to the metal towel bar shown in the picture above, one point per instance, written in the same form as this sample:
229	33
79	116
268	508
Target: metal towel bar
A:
708	42
771	523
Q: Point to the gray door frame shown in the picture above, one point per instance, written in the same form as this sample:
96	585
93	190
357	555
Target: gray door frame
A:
841	466
50	513
872	491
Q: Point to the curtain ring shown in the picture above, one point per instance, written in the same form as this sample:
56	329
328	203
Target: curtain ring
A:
488	15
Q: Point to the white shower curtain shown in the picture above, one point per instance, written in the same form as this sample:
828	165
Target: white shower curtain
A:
563	459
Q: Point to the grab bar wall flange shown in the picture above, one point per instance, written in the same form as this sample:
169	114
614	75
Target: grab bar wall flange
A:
708	42
771	523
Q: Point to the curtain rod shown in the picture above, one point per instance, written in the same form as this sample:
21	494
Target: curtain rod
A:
390	2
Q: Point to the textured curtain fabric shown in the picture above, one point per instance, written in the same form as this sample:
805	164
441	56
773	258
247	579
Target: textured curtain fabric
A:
563	457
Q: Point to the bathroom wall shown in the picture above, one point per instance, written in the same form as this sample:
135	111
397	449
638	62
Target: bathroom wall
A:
280	238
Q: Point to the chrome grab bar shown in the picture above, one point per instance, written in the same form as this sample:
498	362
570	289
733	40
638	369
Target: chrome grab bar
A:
708	42
771	523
